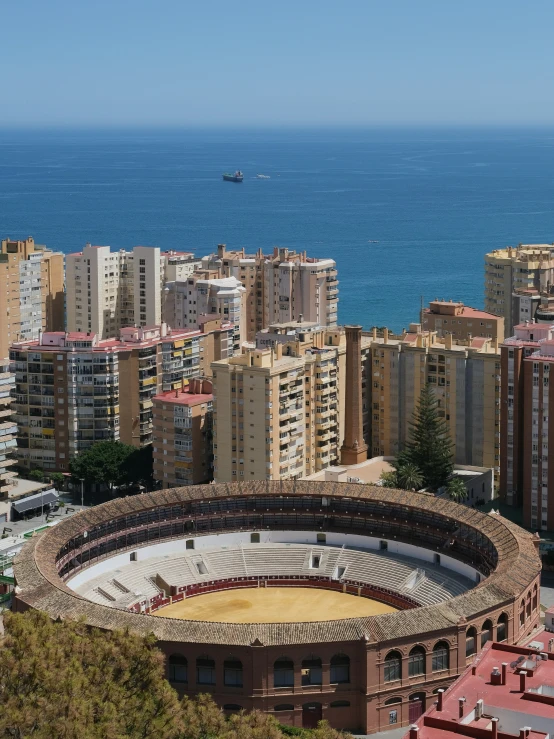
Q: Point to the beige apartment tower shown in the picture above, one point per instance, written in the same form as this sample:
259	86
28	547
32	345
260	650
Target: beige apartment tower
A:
31	292
279	411
182	435
280	287
515	270
465	377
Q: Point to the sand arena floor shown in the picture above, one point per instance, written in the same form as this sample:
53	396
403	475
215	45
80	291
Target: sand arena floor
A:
273	605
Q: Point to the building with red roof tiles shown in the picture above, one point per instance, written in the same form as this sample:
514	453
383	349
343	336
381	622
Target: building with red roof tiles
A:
461	321
507	693
182	435
73	388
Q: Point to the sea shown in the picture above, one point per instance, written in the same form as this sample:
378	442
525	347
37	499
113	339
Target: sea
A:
407	213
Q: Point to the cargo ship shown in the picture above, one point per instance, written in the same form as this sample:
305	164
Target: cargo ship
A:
237	177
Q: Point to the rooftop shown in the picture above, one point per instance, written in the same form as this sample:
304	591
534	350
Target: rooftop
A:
183	397
516	702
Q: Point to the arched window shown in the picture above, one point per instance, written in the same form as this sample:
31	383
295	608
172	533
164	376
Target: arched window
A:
284	707
311	671
392	701
471	641
416	662
178	669
232	673
441	656
340	668
393	667
502	627
283	673
535	599
340	704
528	605
232	707
486	632
522	613
205	671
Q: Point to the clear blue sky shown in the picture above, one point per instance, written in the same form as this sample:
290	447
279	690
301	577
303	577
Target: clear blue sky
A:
219	62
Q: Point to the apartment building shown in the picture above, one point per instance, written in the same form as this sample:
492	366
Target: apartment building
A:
465	376
525	267
73	388
107	291
280	287
525	477
461	322
279	411
8	430
31	291
204	294
182	435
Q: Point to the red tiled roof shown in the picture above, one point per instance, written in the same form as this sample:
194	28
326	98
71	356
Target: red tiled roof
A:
183	398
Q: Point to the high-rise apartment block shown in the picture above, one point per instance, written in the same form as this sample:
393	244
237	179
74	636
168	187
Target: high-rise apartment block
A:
204	294
73	388
31	292
107	291
280	287
8	429
461	322
526	477
279	411
182	435
465	377
510	270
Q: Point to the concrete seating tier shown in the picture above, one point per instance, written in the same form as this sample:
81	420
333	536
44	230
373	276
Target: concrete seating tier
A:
421	581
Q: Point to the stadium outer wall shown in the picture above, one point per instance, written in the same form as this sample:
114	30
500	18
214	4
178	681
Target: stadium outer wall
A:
367	672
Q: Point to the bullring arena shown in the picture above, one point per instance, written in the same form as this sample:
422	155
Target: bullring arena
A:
307	600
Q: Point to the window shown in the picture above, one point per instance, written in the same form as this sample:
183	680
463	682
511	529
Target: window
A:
441	654
232	673
486	632
416	662
471	641
502	628
321	538
283	673
254	538
340	704
311	671
393	667
340	668
205	671
284	707
393	717
232	707
189	544
178	669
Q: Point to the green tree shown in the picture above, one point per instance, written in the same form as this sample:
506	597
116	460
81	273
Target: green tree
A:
456	489
37	475
409	477
57	479
324	731
62	680
105	462
389	479
254	725
139	466
430	446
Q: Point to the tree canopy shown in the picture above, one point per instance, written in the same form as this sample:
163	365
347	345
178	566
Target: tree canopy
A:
113	463
429	447
63	680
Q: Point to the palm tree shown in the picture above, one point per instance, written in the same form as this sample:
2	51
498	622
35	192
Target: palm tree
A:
456	489
409	476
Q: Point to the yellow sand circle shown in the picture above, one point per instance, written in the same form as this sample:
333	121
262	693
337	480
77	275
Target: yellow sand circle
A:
272	606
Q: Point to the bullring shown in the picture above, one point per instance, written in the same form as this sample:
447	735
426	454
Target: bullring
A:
457	578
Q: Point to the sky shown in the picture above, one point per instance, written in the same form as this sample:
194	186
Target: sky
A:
292	62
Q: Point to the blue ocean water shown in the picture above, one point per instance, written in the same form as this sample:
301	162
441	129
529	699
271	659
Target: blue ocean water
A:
405	213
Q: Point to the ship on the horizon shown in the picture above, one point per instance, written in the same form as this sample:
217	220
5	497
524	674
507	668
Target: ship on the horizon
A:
237	177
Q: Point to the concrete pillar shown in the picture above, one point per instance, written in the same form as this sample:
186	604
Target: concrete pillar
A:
354	449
